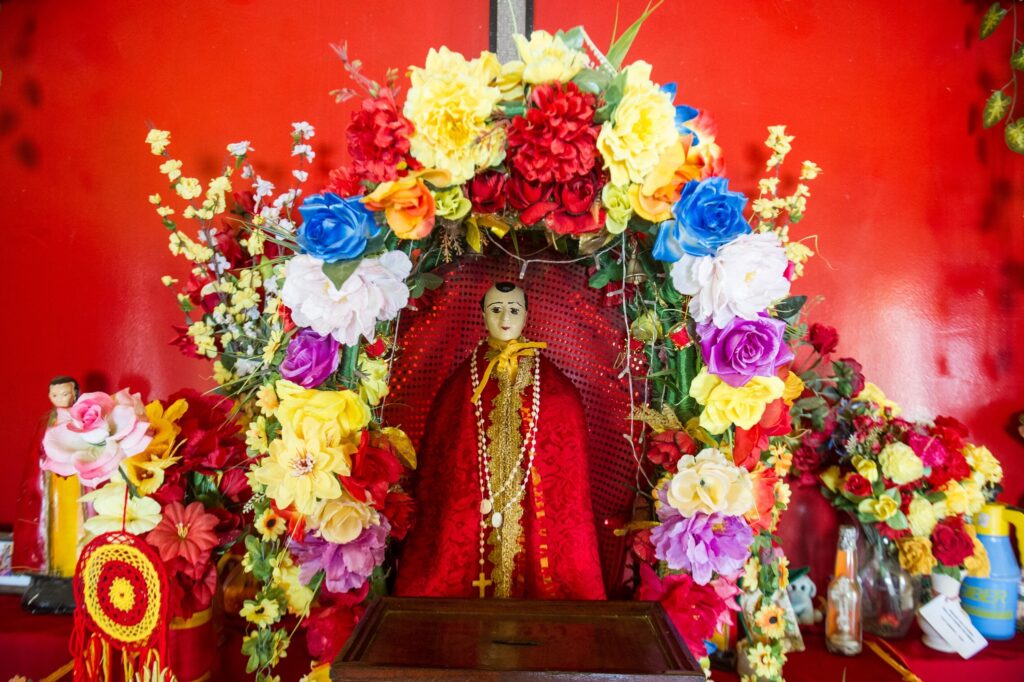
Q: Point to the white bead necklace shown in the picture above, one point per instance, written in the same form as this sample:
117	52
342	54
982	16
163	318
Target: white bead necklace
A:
527	447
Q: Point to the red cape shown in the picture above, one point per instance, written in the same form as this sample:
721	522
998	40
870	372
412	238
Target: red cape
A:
559	558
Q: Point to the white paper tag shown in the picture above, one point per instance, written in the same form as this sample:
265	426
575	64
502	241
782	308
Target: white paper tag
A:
953	625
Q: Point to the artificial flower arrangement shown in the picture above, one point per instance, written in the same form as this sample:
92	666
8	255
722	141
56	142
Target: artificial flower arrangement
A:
295	297
912	486
167	471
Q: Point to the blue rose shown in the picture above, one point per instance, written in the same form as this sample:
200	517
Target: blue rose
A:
707	216
334	228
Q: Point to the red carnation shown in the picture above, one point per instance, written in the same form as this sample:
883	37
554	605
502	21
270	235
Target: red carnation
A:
950	431
823	338
487	191
951	543
668	446
955	468
857	485
556	139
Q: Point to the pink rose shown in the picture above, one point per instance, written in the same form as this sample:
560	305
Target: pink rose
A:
92	436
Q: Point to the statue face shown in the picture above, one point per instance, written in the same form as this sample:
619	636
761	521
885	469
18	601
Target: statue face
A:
62	395
505	313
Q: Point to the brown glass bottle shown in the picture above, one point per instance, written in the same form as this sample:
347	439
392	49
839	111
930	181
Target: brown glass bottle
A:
843	633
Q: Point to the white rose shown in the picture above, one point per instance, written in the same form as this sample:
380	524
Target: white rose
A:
743	279
375	292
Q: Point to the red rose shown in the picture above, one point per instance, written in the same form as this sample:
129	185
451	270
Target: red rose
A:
374	469
556	139
955	468
951	543
579	211
857	485
950	431
531	198
853	371
668	446
823	339
487	191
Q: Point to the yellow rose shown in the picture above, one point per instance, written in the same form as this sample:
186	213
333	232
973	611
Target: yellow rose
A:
450	103
916	555
921	515
373	379
794	388
725	405
547	59
342	519
984	465
709	483
873	394
661	188
865	467
830	477
900	464
616	202
329	416
880	508
642	126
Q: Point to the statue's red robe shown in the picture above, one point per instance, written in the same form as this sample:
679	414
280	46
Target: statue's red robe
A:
559	558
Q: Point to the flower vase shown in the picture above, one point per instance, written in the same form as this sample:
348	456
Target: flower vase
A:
942	586
886	588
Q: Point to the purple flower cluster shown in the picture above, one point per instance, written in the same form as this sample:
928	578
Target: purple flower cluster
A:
346	567
702	544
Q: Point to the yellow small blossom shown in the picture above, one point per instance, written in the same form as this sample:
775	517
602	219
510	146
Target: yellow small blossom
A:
768	185
158	141
164	211
254	243
319	673
781	458
809	170
222	374
168	281
270	525
273	345
763	661
783	572
171	168
751	569
771	621
286	576
155	199
188	188
783	493
266	399
256	435
799	253
262	613
202	335
830	477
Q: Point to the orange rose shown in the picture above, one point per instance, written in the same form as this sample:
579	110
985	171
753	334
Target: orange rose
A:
407	202
761	516
677	165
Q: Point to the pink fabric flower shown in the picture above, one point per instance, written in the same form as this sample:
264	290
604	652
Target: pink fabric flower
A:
92	436
185	532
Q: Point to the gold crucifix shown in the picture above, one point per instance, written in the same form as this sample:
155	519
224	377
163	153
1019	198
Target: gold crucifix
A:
482	583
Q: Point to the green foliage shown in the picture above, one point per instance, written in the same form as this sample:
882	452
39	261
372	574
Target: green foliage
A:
990	22
340	271
789	309
1015	136
1017	59
618	50
612	97
995	109
592	81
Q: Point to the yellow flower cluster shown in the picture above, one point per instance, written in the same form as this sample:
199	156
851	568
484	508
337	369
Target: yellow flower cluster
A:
450	103
546	58
725	405
145	471
985	468
181	244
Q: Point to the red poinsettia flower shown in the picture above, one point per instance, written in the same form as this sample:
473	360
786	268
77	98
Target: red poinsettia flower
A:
184	532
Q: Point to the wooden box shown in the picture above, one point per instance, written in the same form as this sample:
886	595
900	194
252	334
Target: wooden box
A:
495	639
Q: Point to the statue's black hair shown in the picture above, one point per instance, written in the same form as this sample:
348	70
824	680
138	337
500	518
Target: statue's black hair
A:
505	287
64	379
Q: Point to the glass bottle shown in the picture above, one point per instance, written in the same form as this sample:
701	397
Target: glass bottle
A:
843	634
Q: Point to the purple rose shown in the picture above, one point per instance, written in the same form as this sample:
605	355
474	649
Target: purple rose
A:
310	358
744	349
702	544
346	567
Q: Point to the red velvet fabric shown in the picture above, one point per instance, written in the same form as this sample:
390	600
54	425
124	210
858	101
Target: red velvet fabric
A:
559	558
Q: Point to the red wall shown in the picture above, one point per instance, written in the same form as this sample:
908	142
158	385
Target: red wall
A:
919	213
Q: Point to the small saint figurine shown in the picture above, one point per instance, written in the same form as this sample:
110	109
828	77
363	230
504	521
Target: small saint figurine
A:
49	515
502	489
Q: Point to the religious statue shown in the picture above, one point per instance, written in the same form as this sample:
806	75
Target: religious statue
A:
49	515
503	492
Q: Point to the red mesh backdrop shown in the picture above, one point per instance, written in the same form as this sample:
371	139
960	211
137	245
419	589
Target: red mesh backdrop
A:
584	337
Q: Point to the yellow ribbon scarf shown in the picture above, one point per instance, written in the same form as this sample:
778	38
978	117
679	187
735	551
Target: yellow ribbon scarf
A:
506	361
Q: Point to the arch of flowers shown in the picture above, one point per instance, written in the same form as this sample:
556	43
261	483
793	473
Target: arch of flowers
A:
294	296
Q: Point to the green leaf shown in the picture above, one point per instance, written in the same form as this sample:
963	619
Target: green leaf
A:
995	109
1017	60
589	80
605	275
618	50
788	309
612	97
1015	136
376	243
431	281
340	271
898	521
991	20
572	38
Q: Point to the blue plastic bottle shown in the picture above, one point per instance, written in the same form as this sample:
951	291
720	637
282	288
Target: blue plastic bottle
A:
992	602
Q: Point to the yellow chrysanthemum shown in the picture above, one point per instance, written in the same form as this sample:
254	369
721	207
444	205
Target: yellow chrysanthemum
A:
303	472
450	103
984	465
547	59
262	613
642	126
725	405
771	620
900	463
873	394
